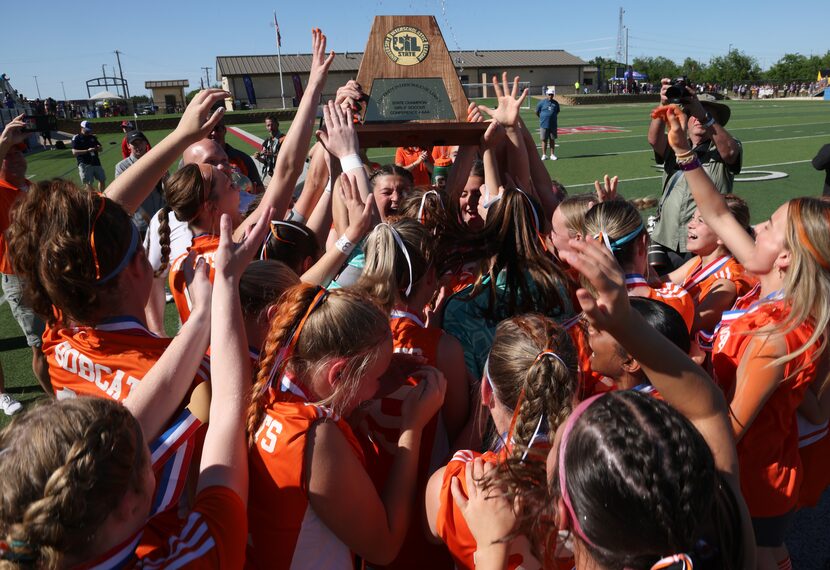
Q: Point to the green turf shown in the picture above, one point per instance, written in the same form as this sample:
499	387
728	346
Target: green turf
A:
781	136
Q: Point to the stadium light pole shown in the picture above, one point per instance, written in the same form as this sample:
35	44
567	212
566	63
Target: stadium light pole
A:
64	91
37	86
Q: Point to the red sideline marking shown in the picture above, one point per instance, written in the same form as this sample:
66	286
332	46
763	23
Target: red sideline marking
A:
588	129
246	138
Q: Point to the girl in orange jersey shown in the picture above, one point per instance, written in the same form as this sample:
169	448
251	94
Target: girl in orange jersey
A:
634	482
400	276
713	278
199	194
621	228
772	351
78	484
313	504
529	386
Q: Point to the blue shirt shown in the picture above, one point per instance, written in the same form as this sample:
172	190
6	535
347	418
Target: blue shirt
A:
547	111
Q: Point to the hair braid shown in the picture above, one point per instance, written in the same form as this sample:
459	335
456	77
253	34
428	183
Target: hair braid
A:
164	239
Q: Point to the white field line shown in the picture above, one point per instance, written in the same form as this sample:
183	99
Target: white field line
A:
743	169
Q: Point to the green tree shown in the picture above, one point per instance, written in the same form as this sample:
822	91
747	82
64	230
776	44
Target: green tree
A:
734	67
139	99
191	94
656	67
694	70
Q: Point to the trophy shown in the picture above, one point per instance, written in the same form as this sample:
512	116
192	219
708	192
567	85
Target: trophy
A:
415	96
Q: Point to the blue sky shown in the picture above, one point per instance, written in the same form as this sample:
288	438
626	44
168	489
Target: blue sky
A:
69	42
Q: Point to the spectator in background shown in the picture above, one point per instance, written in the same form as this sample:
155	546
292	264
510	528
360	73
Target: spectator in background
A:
138	146
720	155
822	162
548	113
416	160
267	155
85	149
237	158
126	127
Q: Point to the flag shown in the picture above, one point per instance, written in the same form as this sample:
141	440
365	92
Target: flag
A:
277	26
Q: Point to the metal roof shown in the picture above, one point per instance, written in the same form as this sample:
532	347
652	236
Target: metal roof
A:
170	83
350	61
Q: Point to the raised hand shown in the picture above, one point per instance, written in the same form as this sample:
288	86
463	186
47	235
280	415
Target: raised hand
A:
606	191
494	136
360	213
340	137
197	120
232	258
425	399
474	113
677	121
320	61
197	280
13	133
509	101
349	96
597	264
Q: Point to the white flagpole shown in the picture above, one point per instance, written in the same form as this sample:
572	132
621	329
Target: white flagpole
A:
279	59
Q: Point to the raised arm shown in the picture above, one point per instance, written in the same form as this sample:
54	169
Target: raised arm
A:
225	453
710	202
657	128
507	113
12	134
159	394
131	188
680	381
294	148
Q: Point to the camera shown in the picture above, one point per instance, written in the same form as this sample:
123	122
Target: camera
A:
676	91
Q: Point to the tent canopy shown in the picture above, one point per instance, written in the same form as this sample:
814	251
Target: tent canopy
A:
104	95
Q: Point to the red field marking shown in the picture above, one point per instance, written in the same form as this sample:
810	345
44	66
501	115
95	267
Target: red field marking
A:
589	129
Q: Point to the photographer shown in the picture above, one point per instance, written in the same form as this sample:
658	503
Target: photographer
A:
267	155
718	152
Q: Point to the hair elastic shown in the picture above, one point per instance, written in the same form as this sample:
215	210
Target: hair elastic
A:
424	201
293	337
798	217
532	209
563	447
277	237
402	245
128	255
549	352
616	245
674	562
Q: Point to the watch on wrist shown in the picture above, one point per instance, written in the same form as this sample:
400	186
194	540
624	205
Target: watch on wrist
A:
708	120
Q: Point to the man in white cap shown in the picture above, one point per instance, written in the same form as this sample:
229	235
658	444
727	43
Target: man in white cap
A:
548	111
86	148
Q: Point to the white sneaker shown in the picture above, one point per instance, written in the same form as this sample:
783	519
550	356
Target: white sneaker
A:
9	405
544	157
168	297
552	157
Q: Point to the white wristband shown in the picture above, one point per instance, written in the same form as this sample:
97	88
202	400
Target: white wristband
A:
295	216
328	186
344	245
351	162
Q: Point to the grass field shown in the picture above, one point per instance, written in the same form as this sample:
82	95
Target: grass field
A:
778	136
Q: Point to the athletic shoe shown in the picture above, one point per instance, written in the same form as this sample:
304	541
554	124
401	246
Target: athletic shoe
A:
168	297
544	157
9	405
552	157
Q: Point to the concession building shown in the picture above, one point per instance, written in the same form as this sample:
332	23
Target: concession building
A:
257	75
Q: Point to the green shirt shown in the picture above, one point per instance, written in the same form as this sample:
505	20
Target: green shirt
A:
676	204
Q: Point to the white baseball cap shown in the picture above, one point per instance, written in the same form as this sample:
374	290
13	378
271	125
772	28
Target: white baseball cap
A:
550	91
86	125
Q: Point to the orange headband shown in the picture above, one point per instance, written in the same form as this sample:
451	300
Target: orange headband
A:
798	218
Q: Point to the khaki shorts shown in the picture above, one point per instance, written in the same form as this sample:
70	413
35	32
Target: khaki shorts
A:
30	323
90	173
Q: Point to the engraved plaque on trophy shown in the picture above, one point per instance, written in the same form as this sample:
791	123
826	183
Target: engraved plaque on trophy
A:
415	97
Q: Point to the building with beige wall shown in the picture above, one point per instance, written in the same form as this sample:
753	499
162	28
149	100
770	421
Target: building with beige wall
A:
168	96
541	68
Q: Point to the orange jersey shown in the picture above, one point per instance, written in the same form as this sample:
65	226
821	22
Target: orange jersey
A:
205	247
9	194
285	532
105	361
212	536
742	304
770	466
404	156
379	427
700	280
453	529
672	295
442	155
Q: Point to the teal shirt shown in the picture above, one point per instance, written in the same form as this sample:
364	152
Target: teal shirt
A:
465	319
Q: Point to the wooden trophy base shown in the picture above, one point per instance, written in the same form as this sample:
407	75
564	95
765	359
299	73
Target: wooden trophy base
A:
424	135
